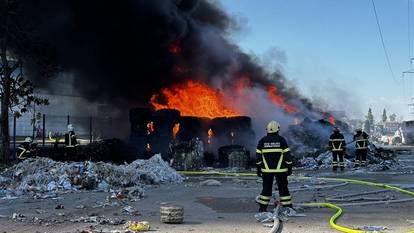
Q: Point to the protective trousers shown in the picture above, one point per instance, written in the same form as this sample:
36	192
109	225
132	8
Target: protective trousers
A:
335	156
361	157
282	185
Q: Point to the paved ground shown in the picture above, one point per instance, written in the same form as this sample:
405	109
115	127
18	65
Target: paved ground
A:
226	208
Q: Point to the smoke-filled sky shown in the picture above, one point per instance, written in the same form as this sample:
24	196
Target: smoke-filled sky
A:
127	51
328	50
332	50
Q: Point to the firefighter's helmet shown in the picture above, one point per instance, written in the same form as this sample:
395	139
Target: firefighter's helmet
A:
336	129
28	139
358	130
71	128
273	127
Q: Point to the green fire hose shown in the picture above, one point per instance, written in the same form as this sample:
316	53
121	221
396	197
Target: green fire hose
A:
339	211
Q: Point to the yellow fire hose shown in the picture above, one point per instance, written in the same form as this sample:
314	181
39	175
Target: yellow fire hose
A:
339	211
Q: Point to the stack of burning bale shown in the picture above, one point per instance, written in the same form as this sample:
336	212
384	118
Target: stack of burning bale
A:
152	131
175	137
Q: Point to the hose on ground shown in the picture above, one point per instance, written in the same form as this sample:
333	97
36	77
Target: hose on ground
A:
332	220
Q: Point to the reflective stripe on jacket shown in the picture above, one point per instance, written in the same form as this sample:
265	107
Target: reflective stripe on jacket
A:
361	141
337	142
272	154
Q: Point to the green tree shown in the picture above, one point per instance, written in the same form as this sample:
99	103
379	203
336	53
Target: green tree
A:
384	116
369	123
17	46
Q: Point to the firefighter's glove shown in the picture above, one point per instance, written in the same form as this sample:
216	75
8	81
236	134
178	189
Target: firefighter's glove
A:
259	172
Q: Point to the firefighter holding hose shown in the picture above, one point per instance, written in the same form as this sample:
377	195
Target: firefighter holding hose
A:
273	160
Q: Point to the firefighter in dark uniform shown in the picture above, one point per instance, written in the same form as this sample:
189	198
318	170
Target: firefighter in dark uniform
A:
70	137
337	147
26	149
361	144
273	160
70	142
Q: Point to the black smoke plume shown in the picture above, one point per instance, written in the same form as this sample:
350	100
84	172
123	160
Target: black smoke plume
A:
130	49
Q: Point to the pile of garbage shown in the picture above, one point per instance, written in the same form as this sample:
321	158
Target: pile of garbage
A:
378	158
310	138
40	175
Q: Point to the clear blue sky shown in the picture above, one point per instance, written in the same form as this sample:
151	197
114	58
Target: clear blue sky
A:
333	48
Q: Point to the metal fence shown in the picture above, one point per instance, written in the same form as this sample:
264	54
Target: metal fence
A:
47	127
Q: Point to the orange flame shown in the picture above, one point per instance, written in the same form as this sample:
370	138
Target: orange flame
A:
193	99
176	129
210	134
332	120
280	101
150	127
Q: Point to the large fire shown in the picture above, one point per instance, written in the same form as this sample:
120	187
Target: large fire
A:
193	99
280	101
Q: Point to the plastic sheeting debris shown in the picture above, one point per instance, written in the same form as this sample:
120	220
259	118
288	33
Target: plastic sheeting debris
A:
373	228
264	217
210	182
281	213
102	220
42	175
130	210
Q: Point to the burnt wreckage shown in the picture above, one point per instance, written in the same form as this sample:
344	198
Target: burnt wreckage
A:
154	131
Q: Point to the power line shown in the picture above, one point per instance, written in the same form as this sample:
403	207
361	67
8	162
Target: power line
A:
387	57
409	31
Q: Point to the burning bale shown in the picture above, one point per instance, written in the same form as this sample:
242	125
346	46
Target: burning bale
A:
46	175
232	131
193	127
152	132
187	155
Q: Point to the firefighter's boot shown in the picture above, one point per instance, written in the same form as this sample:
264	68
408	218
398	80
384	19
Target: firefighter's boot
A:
262	208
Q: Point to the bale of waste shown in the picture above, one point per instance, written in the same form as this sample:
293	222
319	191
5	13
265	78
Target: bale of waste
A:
192	127
172	214
187	155
234	156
